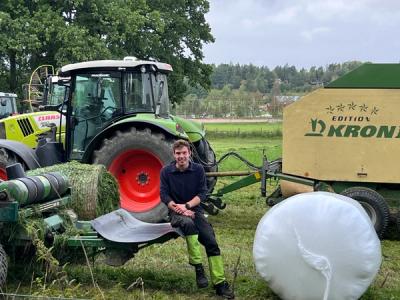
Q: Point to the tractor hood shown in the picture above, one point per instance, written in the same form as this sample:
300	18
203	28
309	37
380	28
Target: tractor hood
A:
195	130
25	128
168	124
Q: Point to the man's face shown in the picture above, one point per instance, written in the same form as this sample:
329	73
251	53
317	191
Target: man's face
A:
182	156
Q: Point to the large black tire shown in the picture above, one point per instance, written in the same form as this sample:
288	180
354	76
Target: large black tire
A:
205	156
3	266
374	204
135	158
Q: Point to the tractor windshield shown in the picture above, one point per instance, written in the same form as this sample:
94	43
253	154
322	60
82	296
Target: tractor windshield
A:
7	107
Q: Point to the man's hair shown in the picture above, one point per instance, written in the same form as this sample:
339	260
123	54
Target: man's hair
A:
179	144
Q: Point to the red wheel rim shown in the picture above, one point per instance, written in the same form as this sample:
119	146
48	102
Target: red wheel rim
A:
3	174
138	176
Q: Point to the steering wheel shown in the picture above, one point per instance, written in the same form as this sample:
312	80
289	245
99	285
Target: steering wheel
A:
103	112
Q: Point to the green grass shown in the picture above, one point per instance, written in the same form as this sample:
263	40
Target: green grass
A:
250	126
162	271
250	148
244	130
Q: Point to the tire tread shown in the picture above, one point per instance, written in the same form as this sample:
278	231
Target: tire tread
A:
372	197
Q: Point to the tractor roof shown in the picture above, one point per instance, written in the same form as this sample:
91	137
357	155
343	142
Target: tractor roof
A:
8	95
370	76
127	62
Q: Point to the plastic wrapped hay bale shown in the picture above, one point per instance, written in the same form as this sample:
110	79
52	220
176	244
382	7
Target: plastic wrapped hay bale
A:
94	191
317	246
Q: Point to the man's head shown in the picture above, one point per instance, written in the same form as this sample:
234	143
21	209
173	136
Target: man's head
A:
181	149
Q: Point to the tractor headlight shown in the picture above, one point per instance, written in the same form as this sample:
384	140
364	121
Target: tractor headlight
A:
179	128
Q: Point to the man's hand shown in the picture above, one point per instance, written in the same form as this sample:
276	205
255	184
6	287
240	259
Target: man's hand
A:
172	205
180	209
189	213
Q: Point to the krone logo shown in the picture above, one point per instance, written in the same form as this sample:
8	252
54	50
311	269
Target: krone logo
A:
317	128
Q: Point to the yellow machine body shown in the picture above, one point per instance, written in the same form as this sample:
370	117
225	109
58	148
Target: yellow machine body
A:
344	134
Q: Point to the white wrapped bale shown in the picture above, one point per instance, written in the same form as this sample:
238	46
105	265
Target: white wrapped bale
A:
317	246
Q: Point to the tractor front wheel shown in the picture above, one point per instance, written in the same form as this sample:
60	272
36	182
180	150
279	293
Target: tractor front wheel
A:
135	158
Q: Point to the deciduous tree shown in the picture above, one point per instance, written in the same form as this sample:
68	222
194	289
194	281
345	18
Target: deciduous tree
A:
35	32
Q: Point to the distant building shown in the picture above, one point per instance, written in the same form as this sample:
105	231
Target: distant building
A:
278	104
286	100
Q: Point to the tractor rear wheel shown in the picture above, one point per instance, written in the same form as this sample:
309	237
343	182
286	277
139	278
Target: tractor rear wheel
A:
3	266
374	205
135	158
206	157
7	158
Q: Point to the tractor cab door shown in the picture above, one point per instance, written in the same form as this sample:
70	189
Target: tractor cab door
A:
96	101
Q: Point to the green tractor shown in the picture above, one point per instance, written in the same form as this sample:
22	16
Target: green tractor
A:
110	112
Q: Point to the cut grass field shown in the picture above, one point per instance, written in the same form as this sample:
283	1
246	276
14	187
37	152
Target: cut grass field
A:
243	126
244	130
162	271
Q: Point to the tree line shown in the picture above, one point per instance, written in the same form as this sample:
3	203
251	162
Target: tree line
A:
254	91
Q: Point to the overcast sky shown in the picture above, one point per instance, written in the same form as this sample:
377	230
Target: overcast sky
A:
303	32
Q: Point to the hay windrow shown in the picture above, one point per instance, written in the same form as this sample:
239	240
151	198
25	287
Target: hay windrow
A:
94	191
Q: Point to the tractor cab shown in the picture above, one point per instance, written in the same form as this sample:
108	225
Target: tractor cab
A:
103	92
8	105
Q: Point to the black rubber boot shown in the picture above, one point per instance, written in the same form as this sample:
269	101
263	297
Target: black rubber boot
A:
201	279
222	289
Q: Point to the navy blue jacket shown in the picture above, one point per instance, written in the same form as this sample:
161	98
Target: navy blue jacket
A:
182	186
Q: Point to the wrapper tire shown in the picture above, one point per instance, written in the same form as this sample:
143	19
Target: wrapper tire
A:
374	205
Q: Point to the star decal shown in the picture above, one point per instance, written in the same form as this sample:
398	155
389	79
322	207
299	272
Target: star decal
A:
374	111
363	108
340	107
330	109
351	106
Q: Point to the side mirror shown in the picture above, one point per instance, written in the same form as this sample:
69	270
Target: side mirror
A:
64	82
56	107
3	102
